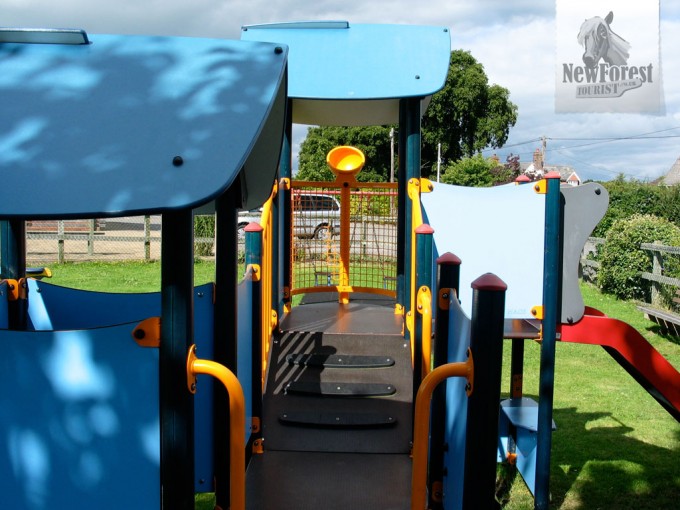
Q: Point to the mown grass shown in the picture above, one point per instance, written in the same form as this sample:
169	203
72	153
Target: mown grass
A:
615	447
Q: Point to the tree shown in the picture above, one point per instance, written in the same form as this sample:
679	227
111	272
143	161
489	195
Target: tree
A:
467	115
475	171
374	141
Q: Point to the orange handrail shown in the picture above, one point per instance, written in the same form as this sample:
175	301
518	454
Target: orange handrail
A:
237	421
421	429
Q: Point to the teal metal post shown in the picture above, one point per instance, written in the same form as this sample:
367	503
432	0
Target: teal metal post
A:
285	225
423	240
176	401
409	168
225	330
13	266
552	278
481	438
448	284
254	277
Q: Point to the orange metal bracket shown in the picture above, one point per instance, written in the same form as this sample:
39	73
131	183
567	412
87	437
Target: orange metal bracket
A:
254	271
537	312
421	420
12	289
237	421
148	332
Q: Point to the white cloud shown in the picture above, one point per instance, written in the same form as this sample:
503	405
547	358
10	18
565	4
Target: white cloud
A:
515	41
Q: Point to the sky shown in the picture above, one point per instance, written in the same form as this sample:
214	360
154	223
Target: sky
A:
514	40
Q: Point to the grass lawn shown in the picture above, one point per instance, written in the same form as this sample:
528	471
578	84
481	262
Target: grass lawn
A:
615	447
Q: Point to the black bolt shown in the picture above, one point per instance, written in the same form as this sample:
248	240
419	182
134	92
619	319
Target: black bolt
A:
278	50
417	77
598	191
140	334
177	161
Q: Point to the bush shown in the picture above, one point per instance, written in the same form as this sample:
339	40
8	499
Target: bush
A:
622	260
204	235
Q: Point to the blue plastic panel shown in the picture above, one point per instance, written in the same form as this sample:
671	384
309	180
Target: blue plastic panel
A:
456	408
496	230
79	424
354	74
95	130
244	369
59	308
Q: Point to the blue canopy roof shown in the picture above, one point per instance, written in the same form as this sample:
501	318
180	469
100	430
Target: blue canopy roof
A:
119	125
342	74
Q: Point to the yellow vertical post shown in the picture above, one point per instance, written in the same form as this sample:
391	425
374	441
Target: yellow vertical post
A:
344	242
345	162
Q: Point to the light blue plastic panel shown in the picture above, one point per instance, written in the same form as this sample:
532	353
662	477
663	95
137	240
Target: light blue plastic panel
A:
354	74
52	307
496	230
244	369
79	422
97	129
456	408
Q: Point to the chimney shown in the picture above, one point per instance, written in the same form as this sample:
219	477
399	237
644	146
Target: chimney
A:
538	160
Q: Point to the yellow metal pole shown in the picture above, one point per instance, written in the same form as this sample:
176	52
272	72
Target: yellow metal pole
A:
424	304
237	421
344	242
421	428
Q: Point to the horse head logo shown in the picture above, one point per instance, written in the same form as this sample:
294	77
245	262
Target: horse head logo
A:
600	42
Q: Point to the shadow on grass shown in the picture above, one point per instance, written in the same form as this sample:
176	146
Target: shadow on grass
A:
597	466
664	333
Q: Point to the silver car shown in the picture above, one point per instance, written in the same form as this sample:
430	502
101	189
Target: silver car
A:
315	216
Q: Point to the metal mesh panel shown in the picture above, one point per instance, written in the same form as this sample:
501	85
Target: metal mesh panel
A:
316	225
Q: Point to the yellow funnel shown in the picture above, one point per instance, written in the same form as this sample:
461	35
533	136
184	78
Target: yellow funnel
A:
345	160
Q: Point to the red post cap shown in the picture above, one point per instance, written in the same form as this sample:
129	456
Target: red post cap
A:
489	281
424	229
552	175
253	226
522	179
449	258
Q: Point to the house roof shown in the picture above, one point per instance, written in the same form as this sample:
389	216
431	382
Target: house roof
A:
673	176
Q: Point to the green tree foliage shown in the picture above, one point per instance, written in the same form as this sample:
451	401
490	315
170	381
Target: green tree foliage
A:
479	172
374	141
622	260
467	115
627	198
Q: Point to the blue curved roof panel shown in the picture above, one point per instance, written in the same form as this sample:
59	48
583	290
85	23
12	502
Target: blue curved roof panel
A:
135	124
354	74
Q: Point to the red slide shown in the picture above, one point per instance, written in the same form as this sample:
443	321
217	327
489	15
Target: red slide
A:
629	348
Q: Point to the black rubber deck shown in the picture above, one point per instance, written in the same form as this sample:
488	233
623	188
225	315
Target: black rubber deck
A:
329	481
337	411
282	435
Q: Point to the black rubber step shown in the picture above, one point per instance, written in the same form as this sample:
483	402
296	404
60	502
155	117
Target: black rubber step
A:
337	419
339	361
340	389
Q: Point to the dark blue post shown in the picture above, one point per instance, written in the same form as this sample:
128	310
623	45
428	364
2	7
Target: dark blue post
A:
225	331
254	278
13	266
422	360
176	402
285	171
486	346
552	277
409	168
447	285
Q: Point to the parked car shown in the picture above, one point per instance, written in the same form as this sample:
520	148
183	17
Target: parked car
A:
315	216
